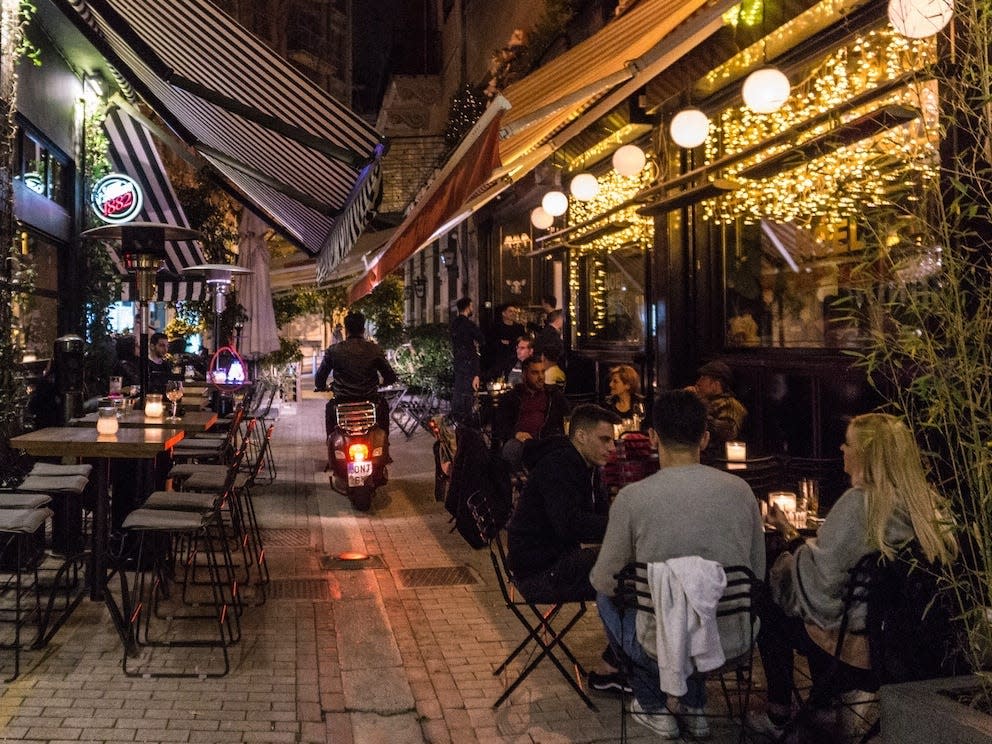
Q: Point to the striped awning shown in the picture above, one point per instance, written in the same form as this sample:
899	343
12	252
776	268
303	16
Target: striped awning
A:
282	144
562	98
132	151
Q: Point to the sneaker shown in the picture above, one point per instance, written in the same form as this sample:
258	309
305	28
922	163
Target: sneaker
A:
663	723
695	722
759	722
612	682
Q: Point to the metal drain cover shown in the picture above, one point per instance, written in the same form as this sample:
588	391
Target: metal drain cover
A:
286	538
333	563
298	589
436	576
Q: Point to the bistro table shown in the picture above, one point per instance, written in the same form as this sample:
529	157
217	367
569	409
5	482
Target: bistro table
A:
192	421
85	442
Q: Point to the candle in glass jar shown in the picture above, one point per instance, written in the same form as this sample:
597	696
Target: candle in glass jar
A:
106	421
784	500
153	405
736	451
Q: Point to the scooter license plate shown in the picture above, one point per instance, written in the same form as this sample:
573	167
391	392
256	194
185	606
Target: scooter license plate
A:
358	472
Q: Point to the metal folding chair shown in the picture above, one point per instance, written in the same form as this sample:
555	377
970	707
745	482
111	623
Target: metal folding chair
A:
544	640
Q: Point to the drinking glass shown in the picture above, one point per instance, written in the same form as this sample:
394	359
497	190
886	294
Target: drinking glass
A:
174	392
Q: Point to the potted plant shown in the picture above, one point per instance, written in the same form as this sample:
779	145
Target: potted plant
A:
925	304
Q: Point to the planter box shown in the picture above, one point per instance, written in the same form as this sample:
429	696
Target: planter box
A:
917	713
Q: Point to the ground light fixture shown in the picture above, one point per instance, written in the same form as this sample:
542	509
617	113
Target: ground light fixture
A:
584	186
766	90
689	128
541	219
918	19
629	160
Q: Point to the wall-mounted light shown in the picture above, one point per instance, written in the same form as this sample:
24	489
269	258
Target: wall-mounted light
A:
420	286
517	245
449	254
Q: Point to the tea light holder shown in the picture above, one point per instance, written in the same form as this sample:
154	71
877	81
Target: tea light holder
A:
106	421
787	502
153	406
736	451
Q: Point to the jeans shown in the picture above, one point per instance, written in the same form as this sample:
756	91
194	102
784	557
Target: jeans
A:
641	669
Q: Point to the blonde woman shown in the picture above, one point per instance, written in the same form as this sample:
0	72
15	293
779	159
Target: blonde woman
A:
890	503
625	397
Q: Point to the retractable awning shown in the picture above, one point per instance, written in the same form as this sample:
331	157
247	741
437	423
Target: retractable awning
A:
133	152
562	98
281	144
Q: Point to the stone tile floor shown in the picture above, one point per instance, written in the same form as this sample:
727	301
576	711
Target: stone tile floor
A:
342	656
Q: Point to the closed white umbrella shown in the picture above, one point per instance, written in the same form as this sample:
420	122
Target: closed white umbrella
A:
260	334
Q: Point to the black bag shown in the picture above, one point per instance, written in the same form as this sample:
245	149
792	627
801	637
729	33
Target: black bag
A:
480	480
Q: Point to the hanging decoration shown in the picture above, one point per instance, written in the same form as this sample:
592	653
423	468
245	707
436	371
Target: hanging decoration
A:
629	160
584	186
766	90
689	128
555	203
541	219
918	19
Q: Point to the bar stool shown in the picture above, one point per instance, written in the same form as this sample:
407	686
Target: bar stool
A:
141	599
22	549
68	485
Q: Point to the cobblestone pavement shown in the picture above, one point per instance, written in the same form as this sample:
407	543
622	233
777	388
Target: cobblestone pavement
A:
338	655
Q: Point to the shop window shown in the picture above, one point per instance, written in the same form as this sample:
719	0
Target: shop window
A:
613	282
37	310
43	169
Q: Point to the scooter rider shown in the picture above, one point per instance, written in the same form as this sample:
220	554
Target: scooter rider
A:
358	369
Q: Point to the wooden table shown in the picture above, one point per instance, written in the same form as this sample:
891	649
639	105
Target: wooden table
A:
126	444
192	421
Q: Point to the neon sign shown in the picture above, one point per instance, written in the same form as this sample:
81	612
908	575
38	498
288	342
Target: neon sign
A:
116	198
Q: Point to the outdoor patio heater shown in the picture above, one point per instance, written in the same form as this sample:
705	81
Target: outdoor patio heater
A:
143	251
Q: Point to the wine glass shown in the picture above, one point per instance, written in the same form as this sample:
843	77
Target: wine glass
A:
174	392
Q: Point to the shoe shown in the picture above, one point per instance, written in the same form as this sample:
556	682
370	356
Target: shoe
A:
612	682
662	723
759	722
695	722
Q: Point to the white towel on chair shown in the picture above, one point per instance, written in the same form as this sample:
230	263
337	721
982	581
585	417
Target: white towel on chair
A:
684	592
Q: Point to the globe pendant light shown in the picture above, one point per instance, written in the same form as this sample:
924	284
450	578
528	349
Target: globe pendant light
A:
555	203
689	128
765	90
918	19
584	186
541	219
629	160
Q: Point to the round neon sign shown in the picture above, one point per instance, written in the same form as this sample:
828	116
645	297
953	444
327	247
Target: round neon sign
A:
116	198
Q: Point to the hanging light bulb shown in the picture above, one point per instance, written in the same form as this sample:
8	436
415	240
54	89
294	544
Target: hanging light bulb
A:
584	186
918	19
541	219
689	128
555	203
765	90
629	160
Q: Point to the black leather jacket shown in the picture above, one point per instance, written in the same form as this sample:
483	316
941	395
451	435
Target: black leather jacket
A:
359	368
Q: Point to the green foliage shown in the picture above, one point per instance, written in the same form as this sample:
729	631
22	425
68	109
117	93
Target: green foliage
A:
426	361
289	351
324	302
926	309
383	308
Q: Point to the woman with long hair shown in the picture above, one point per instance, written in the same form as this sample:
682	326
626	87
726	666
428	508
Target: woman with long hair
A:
889	505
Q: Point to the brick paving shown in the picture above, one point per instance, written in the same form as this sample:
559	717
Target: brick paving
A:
342	656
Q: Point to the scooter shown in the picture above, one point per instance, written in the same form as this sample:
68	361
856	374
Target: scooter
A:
357	453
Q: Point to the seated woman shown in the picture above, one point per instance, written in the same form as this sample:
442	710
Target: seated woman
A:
625	398
888	505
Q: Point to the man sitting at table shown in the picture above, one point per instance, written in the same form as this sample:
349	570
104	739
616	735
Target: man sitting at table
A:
685	509
563	505
724	413
529	411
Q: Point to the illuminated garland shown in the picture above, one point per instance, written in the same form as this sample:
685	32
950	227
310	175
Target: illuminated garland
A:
841	184
613	189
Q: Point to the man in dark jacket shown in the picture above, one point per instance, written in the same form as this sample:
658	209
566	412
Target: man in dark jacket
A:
466	341
563	505
530	411
359	369
502	339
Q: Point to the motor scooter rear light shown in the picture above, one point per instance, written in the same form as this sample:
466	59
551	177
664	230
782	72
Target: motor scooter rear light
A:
358	452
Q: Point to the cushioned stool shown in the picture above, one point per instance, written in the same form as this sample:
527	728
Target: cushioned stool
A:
21	553
67	493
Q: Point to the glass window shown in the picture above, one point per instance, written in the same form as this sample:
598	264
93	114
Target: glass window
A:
613	282
37	310
44	170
